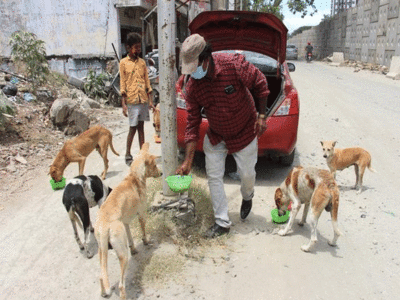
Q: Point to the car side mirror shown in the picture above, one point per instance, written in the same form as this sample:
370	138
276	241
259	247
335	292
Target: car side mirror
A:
291	67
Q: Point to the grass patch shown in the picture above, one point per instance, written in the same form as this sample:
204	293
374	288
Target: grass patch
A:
162	268
187	239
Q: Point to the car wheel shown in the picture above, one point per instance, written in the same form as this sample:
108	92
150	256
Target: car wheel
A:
287	160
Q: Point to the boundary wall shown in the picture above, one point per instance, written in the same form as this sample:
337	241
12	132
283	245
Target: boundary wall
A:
369	32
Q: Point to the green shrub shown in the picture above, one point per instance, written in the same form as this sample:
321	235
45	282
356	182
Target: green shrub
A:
26	48
94	86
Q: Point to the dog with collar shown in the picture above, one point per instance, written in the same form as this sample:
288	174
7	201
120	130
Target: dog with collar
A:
79	148
113	219
80	194
311	187
340	159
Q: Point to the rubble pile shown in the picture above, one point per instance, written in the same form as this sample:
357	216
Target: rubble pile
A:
31	137
359	65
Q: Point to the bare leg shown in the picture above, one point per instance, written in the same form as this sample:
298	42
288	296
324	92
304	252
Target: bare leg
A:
140	128
131	135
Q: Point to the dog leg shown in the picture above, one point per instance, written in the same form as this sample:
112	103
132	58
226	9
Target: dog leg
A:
104	283
314	239
130	240
334	215
357	170
88	254
73	222
103	153
142	222
336	234
295	209
81	163
360	176
119	241
305	212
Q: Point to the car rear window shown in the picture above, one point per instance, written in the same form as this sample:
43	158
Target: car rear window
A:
263	62
290	46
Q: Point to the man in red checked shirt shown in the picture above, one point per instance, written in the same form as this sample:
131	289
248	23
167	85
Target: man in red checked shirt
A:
226	86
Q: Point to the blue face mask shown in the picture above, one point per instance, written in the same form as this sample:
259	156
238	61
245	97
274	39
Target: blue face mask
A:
199	73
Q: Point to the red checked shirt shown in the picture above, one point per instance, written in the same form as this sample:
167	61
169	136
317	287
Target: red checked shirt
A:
228	103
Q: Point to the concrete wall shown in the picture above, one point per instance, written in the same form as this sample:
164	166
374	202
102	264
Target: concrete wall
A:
69	27
369	33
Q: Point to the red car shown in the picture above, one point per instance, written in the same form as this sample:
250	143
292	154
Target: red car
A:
261	37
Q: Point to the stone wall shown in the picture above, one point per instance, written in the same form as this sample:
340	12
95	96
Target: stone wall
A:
369	32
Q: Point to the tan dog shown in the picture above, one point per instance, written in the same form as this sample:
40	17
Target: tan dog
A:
78	148
157	123
126	201
339	159
311	187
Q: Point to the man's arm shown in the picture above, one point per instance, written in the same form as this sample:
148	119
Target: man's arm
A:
186	166
122	83
191	132
261	125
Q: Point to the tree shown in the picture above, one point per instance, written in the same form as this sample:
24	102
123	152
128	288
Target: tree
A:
304	7
299	30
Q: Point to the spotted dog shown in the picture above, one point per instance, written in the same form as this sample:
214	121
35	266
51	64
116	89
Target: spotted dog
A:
311	187
80	194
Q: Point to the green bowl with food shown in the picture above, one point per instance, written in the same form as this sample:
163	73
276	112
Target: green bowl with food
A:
59	185
179	183
279	219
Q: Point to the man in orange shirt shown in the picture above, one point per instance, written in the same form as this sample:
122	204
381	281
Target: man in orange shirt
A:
136	92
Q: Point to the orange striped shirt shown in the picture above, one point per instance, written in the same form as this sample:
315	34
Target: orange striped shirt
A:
134	80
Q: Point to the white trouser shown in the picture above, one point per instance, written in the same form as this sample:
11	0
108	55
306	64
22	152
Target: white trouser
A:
246	160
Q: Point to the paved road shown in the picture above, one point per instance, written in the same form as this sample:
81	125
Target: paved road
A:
39	258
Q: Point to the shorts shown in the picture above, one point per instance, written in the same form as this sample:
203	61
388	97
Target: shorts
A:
138	112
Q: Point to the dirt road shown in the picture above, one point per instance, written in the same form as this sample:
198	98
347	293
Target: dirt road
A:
39	258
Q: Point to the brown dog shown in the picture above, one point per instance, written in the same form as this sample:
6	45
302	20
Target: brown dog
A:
78	148
311	187
126	201
339	159
157	123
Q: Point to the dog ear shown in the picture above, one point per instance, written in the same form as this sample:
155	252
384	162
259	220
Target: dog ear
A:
322	143
334	143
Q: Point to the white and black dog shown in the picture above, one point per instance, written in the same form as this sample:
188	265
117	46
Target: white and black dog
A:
80	194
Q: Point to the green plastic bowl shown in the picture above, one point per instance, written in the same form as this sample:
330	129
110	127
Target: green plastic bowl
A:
179	183
58	185
279	219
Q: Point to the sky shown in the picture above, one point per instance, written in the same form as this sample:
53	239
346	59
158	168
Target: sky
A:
293	22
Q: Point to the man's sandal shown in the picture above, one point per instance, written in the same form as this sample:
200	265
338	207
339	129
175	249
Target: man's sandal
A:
128	159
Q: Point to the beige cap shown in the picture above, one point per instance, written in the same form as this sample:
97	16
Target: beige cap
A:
191	49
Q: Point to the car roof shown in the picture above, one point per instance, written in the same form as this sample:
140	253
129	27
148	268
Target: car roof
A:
253	31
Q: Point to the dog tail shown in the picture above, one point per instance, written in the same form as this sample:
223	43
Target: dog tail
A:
112	147
370	167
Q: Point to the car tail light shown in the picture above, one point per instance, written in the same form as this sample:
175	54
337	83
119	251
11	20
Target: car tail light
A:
289	106
284	108
180	101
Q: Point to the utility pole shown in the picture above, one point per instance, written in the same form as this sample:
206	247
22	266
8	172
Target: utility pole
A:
167	58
